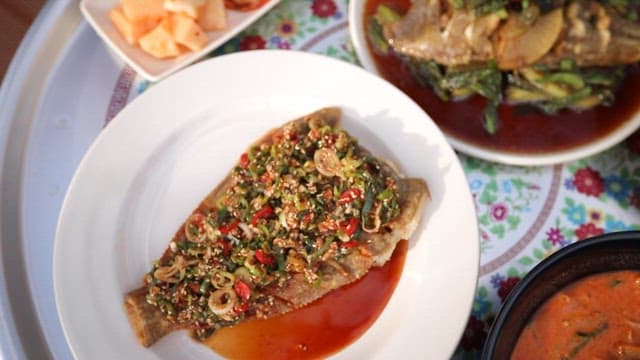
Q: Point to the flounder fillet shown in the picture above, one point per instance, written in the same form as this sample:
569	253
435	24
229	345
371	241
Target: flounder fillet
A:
591	33
242	262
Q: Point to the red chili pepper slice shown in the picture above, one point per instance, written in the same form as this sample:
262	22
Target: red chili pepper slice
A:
242	289
226	247
307	218
293	137
261	214
225	229
244	160
194	287
349	244
349	195
350	227
265	178
263	257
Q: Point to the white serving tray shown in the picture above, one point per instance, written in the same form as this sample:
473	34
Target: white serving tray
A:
47	121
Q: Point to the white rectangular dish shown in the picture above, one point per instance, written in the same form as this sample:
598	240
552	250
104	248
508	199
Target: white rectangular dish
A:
96	12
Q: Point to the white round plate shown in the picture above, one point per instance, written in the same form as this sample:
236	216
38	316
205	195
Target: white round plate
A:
166	150
358	37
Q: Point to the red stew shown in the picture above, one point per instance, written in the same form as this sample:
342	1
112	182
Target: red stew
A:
521	130
597	317
319	329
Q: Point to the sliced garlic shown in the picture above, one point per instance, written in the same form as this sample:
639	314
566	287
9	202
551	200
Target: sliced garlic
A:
327	162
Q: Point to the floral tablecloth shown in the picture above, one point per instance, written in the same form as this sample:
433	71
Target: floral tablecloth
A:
524	214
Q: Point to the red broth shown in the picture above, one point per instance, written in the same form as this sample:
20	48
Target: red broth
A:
597	317
319	329
521	130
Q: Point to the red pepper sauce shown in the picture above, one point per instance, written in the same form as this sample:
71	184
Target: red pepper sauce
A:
597	317
319	329
521	130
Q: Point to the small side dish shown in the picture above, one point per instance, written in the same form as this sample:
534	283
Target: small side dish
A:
158	37
306	210
168	28
597	317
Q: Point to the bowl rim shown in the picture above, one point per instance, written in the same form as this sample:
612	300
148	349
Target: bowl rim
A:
536	271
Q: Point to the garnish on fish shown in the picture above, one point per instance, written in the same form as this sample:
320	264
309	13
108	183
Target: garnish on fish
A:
306	210
553	54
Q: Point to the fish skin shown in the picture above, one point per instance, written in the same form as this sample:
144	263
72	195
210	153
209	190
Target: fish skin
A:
376	250
425	33
149	323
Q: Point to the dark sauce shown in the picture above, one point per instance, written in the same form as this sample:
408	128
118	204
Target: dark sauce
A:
521	129
319	329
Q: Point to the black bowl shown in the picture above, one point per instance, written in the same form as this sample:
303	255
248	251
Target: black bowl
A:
609	252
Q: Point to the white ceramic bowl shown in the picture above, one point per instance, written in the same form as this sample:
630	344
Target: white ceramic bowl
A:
358	37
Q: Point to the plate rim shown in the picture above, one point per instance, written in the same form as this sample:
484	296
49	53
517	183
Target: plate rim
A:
474	252
505	157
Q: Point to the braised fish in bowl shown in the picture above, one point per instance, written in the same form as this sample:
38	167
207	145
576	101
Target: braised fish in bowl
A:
547	54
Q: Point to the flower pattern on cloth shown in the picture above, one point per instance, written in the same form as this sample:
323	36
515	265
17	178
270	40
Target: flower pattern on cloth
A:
588	182
318	26
593	196
524	214
324	8
252	42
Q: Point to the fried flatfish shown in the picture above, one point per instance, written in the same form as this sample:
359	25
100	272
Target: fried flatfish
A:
305	211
